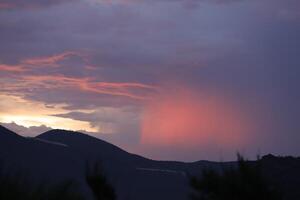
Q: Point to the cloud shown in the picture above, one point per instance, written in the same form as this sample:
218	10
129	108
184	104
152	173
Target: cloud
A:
29	4
31	131
32	113
121	126
31	81
77	92
5	5
11	68
47	74
53	61
117	55
37	4
137	91
194	2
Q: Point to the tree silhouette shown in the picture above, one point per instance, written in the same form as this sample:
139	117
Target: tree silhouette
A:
245	182
98	183
14	186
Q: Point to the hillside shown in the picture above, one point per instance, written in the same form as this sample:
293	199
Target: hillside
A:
60	155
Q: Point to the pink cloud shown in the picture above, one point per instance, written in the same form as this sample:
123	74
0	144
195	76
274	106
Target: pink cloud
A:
137	91
11	68
30	4
54	59
31	64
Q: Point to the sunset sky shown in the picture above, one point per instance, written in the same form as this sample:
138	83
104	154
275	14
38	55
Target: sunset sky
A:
168	79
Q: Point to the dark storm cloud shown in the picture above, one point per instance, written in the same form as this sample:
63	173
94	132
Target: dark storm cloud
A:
29	4
129	45
246	49
36	4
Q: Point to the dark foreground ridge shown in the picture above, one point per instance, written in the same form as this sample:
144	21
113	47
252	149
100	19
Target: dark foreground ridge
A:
58	156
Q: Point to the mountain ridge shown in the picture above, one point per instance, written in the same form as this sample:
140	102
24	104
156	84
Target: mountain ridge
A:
60	155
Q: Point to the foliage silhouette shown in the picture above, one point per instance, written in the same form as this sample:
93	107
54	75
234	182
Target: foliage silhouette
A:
245	182
14	186
98	183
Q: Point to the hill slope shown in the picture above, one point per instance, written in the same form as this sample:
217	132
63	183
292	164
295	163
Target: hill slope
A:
59	155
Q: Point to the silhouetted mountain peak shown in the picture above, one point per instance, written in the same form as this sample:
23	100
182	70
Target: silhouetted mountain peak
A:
62	131
79	140
60	155
7	132
61	134
64	135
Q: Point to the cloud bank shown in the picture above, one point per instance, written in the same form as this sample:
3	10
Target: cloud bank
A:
107	69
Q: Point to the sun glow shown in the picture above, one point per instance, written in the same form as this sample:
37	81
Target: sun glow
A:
29	113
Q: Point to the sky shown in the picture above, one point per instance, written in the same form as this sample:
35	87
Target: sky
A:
167	79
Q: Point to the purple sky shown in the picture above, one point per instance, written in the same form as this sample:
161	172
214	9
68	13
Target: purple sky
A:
168	79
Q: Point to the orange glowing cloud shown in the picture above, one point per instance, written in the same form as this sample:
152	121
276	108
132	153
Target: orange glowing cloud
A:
32	113
54	59
119	89
186	118
47	61
12	68
137	91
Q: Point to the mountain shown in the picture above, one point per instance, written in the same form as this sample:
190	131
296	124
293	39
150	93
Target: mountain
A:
133	176
37	157
8	136
60	155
